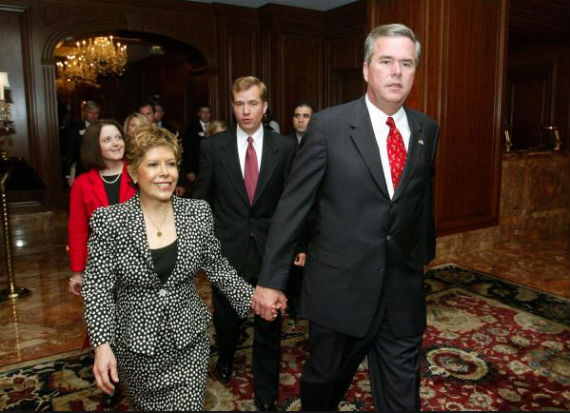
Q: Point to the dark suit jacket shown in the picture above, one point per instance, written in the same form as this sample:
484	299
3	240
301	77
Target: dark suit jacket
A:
74	139
366	246
191	147
169	127
221	183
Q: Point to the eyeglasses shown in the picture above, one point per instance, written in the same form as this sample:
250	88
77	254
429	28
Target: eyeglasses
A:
302	115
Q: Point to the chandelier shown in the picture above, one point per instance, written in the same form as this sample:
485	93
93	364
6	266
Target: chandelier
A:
91	58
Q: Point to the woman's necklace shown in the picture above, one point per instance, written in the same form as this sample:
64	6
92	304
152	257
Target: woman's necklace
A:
158	227
111	181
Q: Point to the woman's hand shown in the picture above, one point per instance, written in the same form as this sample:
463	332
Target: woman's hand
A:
105	369
75	283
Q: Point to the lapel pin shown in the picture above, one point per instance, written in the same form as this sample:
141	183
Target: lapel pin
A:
421	141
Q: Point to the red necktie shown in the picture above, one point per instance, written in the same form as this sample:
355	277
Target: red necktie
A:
251	170
396	152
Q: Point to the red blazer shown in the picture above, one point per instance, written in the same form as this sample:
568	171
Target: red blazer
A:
88	194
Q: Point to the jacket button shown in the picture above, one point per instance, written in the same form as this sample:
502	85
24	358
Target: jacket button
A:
163	292
388	237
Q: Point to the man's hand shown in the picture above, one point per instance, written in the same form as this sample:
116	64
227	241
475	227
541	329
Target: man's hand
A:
267	302
105	369
300	259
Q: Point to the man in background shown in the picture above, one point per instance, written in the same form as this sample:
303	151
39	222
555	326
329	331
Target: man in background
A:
195	132
301	118
90	112
158	119
147	109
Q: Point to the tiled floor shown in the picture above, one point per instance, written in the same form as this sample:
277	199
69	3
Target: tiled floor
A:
49	321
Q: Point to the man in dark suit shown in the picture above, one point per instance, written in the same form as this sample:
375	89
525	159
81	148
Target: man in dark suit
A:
90	113
195	132
147	109
158	119
301	117
367	167
242	175
302	113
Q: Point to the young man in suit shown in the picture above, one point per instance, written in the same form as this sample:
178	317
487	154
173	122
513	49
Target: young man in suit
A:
367	167
301	118
158	119
242	174
302	113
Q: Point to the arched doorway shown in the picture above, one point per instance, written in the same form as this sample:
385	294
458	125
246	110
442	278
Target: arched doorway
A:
159	69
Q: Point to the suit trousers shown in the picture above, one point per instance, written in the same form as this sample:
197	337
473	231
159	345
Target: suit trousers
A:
267	336
334	358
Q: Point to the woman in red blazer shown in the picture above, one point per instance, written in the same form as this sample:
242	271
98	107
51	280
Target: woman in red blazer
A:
106	182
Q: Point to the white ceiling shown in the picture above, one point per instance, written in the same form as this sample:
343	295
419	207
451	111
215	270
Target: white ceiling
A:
321	5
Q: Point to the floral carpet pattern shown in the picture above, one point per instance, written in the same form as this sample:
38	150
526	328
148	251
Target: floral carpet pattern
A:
489	345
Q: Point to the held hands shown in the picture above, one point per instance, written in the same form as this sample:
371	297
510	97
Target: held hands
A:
105	369
75	284
300	259
267	302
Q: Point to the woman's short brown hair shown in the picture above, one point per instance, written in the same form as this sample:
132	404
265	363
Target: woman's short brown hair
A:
90	146
148	136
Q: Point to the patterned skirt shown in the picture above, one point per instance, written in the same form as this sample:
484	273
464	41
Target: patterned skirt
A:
171	379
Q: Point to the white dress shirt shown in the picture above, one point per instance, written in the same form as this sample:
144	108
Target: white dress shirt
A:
381	131
242	146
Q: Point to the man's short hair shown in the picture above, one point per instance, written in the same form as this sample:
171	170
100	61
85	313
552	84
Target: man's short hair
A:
302	103
245	82
91	105
390	30
151	104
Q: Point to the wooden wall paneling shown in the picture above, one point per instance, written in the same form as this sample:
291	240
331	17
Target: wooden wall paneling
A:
299	74
345	28
538	95
529	110
468	163
11	61
292	58
52	20
460	84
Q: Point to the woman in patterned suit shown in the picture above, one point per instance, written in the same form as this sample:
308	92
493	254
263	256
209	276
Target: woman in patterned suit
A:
146	321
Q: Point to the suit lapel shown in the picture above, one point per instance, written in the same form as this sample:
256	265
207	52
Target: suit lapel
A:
232	166
185	245
99	187
268	163
415	148
363	138
138	231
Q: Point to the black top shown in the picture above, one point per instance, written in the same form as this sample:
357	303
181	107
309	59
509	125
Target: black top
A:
164	259
112	189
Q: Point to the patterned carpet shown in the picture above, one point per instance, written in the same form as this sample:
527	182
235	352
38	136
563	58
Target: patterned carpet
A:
489	346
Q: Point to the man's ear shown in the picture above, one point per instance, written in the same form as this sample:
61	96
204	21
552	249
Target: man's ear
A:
265	106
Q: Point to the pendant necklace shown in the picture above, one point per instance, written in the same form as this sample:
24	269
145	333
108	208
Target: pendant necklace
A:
159	227
113	180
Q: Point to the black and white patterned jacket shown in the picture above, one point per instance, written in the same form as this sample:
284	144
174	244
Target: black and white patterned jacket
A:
125	303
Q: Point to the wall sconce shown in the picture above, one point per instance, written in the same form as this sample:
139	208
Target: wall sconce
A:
6	124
